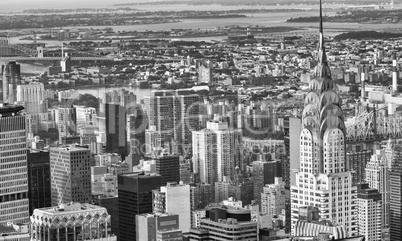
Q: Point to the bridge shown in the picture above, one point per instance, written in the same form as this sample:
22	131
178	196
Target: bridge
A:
373	125
17	52
11	50
21	58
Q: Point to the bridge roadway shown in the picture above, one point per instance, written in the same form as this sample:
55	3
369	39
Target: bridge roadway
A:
21	58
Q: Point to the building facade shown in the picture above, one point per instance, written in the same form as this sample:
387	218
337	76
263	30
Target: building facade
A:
369	208
32	96
323	180
39	191
14	204
264	173
173	114
155	226
135	197
116	136
216	152
273	198
174	198
377	176
11	73
70	172
167	166
72	221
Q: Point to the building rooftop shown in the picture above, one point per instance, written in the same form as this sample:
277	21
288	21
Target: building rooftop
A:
139	174
70	148
147	215
70	207
10	110
6	230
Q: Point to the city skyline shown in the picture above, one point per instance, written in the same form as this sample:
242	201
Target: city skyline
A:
267	132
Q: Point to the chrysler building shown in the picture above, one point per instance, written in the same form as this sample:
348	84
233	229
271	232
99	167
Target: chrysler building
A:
322	181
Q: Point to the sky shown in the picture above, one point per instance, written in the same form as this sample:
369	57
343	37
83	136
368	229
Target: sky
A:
19	5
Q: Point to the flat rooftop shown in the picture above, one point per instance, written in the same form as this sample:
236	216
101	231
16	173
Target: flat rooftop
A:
70	207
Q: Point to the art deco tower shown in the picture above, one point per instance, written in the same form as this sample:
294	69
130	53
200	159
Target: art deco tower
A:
322	180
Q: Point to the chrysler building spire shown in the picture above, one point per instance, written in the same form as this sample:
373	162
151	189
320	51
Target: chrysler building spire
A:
322	68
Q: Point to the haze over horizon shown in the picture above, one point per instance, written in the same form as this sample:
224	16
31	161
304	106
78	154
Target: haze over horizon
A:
20	5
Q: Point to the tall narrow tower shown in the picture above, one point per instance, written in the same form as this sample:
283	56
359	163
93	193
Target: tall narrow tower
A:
322	180
11	73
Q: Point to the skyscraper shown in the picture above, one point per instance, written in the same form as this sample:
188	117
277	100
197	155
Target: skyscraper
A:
13	166
174	198
168	166
137	122
377	177
33	97
173	114
273	198
116	137
322	180
264	173
356	162
39	191
216	152
395	195
70	171
369	212
11	73
135	197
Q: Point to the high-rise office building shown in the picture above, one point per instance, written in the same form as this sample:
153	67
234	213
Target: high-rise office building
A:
71	221
116	137
39	191
135	197
377	177
32	96
70	171
111	203
174	198
149	226
356	163
322	180
167	166
85	116
273	198
120	97
369	208
395	197
137	122
216	152
65	120
14	202
185	171
11	73
264	173
201	195
173	114
295	128
205	72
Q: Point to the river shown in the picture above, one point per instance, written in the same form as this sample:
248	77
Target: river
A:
20	5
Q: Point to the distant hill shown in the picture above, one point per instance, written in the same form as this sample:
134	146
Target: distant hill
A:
367	35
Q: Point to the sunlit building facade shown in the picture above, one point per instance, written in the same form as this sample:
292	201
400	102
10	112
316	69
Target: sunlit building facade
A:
322	180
